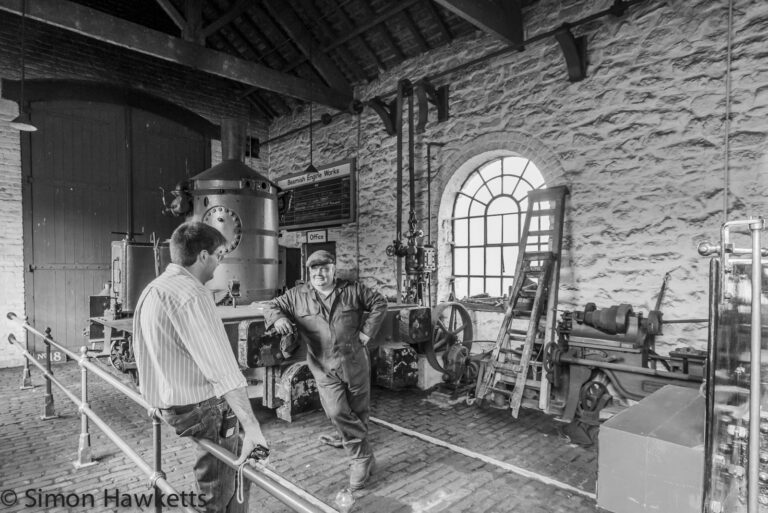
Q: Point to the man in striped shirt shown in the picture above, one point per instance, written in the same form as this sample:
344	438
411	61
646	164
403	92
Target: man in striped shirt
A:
186	365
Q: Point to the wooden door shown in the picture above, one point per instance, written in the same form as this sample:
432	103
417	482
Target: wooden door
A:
92	173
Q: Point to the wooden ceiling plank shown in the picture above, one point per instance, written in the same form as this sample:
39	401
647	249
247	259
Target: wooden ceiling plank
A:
415	32
345	18
109	29
371	22
173	14
236	51
299	33
346	56
439	20
502	19
236	10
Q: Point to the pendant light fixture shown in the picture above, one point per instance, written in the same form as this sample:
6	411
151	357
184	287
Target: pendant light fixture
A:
23	121
311	167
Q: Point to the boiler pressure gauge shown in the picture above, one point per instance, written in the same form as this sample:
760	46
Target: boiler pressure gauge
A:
227	222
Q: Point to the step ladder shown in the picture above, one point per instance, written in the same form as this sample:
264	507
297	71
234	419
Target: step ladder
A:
533	296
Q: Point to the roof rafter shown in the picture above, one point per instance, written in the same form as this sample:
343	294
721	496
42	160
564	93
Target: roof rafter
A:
500	18
283	14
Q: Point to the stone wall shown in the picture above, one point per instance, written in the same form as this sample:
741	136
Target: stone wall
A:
641	142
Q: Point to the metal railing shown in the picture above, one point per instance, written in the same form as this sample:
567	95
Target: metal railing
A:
295	498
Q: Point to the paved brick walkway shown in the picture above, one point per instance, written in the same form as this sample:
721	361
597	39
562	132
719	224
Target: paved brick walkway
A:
413	476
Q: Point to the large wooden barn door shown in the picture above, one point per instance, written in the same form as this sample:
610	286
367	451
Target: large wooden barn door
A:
92	173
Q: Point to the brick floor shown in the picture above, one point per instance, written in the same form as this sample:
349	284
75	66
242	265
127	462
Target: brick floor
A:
413	475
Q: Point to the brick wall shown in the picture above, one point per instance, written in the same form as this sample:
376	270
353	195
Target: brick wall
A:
56	54
640	143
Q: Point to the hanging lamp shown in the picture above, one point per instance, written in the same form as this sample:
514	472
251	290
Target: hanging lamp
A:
311	167
23	121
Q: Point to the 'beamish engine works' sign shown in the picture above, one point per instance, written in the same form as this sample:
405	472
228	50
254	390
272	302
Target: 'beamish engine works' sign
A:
325	198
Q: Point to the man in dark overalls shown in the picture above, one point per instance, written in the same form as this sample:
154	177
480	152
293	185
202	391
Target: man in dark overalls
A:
329	315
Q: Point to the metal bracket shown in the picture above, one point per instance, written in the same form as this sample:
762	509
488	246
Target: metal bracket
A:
426	93
575	53
386	112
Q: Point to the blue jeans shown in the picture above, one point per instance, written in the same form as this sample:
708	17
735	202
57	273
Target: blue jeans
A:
216	481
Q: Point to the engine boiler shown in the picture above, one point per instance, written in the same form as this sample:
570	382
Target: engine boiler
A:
241	204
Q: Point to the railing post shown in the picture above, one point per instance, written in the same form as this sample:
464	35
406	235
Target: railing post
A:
48	411
158	449
84	457
26	376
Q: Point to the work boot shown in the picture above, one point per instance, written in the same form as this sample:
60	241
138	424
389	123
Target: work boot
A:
363	462
361	470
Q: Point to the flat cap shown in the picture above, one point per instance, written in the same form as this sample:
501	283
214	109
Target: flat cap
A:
320	257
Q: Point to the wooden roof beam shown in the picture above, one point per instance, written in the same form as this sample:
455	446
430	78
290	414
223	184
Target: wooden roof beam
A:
282	13
235	11
131	36
500	18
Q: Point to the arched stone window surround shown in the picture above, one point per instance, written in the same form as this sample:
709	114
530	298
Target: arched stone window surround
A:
458	160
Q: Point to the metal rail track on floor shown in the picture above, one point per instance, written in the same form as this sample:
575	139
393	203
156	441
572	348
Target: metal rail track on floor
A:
289	494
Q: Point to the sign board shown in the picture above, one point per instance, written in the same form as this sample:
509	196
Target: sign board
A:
315	236
325	198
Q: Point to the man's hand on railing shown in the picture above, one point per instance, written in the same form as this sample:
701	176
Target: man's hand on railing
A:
253	441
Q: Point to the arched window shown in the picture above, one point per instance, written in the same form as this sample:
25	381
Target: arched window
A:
488	218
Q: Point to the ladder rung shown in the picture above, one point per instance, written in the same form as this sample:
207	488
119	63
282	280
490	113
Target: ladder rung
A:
514	331
544	212
534	269
538	255
540	233
521	313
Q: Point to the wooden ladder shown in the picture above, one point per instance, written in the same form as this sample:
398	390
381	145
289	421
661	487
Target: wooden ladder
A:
534	291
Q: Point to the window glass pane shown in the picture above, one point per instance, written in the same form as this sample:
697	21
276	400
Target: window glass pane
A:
493	286
477	209
462	206
493	261
511	228
533	175
477	261
522	190
461	232
514	165
502	205
483	195
509	261
473	183
476	286
460	261
461	287
491	170
495	186
477	231
494	230
506	285
508	184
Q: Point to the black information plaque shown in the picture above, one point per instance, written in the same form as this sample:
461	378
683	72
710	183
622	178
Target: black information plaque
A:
325	198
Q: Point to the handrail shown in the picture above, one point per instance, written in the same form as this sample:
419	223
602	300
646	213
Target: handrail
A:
156	479
285	491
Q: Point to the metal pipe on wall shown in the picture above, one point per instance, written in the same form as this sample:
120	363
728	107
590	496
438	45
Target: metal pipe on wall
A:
753	486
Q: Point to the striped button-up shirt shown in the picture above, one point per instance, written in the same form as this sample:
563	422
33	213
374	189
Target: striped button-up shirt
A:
182	351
